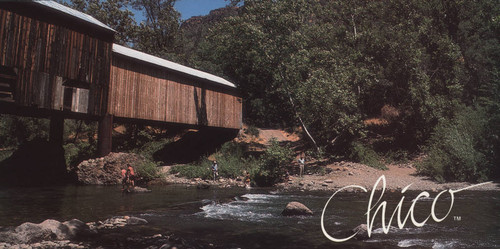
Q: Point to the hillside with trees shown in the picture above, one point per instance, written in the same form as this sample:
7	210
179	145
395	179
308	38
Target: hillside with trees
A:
365	81
424	73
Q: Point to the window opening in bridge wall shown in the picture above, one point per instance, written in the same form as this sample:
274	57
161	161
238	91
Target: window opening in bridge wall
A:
76	96
76	83
8	78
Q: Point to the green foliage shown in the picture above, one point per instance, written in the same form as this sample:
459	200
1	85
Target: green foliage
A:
396	156
147	171
114	13
272	163
200	169
80	143
458	149
75	153
341	62
366	155
15	130
159	34
231	161
333	64
252	131
145	141
150	148
4	154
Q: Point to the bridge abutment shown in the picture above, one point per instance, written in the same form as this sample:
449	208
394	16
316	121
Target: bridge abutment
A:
56	129
104	140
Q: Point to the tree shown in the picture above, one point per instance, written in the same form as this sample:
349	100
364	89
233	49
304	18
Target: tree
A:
336	63
114	13
277	52
159	34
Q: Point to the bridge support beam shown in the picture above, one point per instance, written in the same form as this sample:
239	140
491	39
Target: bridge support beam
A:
105	135
56	129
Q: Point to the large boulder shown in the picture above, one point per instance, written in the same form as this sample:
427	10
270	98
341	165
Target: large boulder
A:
47	230
106	170
296	208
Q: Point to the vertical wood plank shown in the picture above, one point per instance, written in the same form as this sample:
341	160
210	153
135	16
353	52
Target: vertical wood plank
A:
58	93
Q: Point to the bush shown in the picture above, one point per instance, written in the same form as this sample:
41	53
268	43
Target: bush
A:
147	171
148	149
271	166
252	131
366	155
16	130
4	154
231	161
458	148
396	156
75	153
200	169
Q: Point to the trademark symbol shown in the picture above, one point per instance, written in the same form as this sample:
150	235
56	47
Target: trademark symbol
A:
457	218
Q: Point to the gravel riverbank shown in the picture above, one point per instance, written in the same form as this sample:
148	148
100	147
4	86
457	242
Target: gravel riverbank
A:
341	174
397	177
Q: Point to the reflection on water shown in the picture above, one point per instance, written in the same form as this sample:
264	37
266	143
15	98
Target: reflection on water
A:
251	218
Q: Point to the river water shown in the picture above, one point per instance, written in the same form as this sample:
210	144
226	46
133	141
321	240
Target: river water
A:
240	218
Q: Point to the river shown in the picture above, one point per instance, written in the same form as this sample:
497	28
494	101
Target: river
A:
240	218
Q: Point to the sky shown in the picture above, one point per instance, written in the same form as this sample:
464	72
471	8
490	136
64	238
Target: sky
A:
189	8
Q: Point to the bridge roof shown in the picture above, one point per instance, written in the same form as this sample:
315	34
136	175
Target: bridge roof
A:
74	13
128	52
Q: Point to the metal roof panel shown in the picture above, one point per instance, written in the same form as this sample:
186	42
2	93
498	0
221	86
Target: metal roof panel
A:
75	13
128	52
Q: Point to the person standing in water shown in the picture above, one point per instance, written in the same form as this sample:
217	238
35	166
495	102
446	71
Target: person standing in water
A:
125	180
131	176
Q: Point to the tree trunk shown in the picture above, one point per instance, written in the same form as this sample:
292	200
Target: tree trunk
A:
300	120
296	112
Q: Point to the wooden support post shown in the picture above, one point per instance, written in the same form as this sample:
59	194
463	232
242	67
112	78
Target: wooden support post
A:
105	133
56	129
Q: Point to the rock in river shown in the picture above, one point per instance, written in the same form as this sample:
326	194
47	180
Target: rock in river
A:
296	208
136	221
140	190
47	230
361	232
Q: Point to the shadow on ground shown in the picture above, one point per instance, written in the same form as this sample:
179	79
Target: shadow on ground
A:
193	145
35	163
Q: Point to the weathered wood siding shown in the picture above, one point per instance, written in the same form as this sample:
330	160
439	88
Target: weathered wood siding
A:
144	91
57	67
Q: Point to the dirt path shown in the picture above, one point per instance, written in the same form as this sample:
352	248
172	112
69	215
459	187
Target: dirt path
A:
397	177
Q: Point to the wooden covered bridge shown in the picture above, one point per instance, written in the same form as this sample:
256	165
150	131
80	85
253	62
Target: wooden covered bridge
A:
59	63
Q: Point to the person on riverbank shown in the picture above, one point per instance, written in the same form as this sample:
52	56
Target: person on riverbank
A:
215	169
247	180
302	162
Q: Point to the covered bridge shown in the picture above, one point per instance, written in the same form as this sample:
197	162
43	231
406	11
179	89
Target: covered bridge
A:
146	87
59	63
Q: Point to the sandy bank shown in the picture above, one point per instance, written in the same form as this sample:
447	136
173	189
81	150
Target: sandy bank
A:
341	174
397	177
